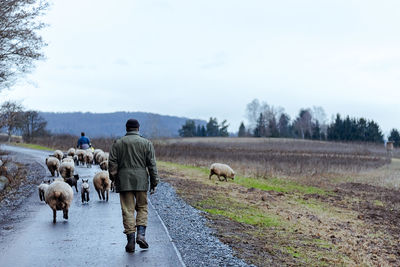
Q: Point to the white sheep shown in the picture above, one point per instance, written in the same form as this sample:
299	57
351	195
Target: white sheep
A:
95	152
81	156
223	170
71	152
67	169
104	165
100	157
59	196
43	188
102	183
88	158
68	159
53	164
85	190
59	154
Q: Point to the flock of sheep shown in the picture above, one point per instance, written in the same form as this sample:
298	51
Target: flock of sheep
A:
58	194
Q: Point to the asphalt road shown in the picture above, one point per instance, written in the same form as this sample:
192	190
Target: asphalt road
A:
92	236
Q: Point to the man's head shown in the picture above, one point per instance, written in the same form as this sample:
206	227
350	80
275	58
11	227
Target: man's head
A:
132	125
82	134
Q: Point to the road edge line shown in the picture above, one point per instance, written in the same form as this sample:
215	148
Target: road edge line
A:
169	236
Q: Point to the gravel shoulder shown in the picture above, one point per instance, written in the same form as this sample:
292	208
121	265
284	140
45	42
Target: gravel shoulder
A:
12	209
188	228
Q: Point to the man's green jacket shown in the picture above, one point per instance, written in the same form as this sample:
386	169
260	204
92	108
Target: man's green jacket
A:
132	160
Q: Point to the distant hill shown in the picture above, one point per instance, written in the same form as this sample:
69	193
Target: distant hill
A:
113	124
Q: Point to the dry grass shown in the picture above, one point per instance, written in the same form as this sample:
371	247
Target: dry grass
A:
262	157
386	176
64	142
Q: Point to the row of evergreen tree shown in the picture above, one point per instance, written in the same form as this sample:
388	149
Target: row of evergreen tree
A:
212	128
352	129
395	137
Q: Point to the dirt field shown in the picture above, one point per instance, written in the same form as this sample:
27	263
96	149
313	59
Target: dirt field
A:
327	218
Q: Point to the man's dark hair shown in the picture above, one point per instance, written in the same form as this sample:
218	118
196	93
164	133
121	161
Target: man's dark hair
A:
82	134
128	129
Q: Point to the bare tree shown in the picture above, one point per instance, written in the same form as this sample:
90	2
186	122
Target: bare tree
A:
319	116
10	117
20	43
253	110
32	125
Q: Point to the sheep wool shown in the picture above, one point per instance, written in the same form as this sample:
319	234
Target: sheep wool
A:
71	152
42	189
100	157
104	165
223	170
53	164
68	159
102	184
67	169
88	158
59	196
95	152
59	154
81	156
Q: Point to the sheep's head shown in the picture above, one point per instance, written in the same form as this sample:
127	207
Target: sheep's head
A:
76	176
232	175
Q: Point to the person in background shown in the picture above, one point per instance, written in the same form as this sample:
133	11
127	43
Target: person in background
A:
132	165
83	142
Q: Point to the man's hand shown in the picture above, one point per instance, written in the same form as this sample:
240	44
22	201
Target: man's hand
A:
152	190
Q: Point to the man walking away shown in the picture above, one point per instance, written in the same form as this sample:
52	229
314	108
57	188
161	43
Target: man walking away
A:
131	162
83	142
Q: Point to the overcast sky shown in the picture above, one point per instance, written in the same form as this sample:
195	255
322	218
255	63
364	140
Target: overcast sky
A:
210	58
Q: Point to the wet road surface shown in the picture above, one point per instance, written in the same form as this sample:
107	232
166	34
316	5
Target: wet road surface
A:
92	236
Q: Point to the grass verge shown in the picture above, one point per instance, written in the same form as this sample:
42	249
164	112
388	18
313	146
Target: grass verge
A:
31	146
238	211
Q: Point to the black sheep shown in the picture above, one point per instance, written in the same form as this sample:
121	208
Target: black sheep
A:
72	181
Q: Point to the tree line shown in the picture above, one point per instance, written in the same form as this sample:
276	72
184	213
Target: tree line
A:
212	128
15	120
269	121
311	123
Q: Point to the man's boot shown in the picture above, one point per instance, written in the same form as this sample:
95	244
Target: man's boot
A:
140	237
130	246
